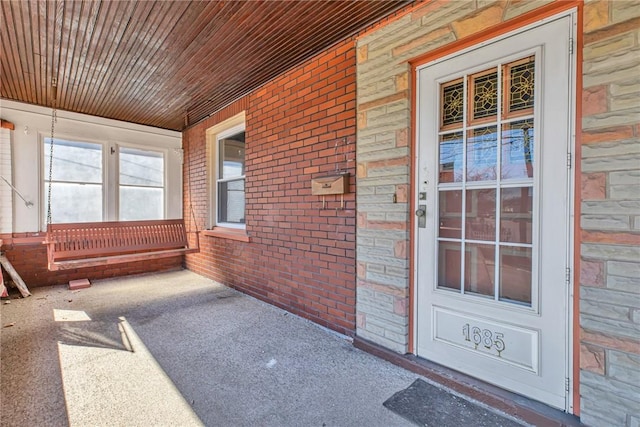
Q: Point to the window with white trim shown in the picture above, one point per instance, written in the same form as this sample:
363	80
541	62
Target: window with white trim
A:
230	168
77	178
89	185
226	160
141	184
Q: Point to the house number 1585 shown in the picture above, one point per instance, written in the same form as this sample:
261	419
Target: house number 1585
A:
485	337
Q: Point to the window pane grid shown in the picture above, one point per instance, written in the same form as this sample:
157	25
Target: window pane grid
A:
495	244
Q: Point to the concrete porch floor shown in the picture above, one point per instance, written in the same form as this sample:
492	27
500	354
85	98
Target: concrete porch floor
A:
178	349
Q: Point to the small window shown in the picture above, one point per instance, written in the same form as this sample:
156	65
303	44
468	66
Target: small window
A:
230	172
76	181
141	186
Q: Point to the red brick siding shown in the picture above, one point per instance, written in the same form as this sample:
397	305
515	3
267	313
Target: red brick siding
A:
30	261
300	257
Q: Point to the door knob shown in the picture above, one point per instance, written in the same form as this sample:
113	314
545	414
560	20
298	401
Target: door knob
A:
421	213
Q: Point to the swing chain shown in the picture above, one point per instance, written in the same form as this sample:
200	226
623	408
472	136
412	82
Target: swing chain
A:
53	125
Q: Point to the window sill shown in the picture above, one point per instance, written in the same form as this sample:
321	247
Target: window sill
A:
227	233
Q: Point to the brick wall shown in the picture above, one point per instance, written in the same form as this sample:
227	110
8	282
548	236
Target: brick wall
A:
610	215
300	256
30	261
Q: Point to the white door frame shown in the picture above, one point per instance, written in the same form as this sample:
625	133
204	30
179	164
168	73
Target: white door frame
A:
570	191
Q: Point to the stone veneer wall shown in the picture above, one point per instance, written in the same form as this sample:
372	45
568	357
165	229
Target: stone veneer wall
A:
609	188
610	215
384	117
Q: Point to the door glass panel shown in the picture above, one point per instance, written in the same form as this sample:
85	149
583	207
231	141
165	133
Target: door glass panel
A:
480	220
485	196
449	256
516	215
479	269
482	146
515	274
450	214
519	86
517	150
484	87
453	103
451	157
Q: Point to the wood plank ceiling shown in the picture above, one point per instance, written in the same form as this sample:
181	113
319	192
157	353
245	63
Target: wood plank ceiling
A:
163	63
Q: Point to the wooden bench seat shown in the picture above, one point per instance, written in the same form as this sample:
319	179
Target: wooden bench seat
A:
90	244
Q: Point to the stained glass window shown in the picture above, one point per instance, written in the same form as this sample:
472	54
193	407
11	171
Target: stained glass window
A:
452	102
485	94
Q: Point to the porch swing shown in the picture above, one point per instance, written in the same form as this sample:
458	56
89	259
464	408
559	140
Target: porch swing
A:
93	244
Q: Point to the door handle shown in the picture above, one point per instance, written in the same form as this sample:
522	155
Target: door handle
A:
421	213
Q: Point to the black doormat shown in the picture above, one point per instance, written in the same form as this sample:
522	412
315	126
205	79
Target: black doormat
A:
428	405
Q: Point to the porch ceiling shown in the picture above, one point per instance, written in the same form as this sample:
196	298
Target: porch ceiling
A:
163	63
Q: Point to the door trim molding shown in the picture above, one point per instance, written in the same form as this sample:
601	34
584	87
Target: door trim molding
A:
516	25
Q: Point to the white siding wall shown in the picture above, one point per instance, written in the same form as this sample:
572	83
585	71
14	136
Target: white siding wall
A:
27	156
6	211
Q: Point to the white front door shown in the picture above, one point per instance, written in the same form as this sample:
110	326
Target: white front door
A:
492	247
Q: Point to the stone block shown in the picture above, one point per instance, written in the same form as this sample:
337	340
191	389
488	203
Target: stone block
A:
395	336
608	47
385	342
601	72
606	207
388	171
611	149
636	223
624	284
387	190
420	42
376	152
446	13
484	18
592	358
402	273
623	102
596	413
402	216
374	312
386	260
614	118
625	87
593	186
386	279
608	296
624	10
608	311
625	178
384	327
617	392
592	273
362	53
620	328
596	15
625	269
594	100
606	164
623	367
518	8
624	192
605	222
610	252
